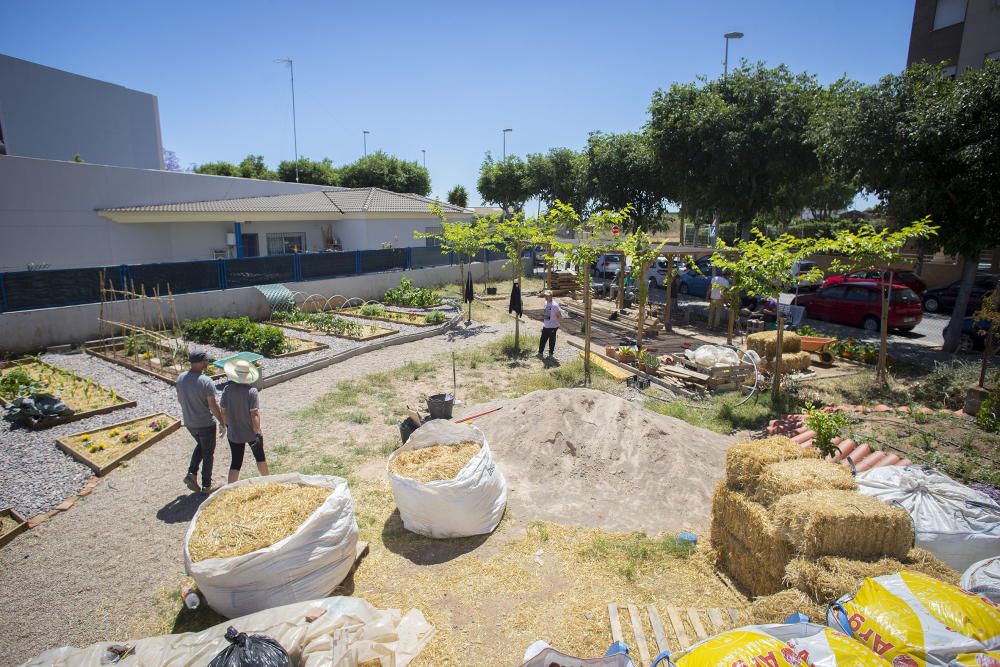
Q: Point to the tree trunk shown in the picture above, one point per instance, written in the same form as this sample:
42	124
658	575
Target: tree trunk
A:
733	302
461	268
958	314
519	267
776	373
883	351
643	293
991	335
669	283
620	297
586	328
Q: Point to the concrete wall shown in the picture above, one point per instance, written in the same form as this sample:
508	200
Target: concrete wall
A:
47	213
981	34
51	114
31	330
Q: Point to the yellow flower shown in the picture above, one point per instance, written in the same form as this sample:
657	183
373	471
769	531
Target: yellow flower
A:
85	438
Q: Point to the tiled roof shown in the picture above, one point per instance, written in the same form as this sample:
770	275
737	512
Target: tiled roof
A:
338	200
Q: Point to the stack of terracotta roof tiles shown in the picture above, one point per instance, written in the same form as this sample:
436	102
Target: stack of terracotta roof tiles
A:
861	455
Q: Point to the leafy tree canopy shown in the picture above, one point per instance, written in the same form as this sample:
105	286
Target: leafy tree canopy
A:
505	183
458	196
253	166
563	175
381	170
624	172
218	169
318	172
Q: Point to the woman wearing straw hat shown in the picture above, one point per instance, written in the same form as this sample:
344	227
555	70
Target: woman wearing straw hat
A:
241	415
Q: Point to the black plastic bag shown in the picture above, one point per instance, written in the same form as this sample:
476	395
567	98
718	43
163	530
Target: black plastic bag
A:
250	651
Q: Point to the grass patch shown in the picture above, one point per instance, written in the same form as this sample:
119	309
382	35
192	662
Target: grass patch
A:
635	554
345	395
357	418
567	375
720	413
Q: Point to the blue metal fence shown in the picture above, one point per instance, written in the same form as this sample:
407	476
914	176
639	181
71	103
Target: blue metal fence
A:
50	288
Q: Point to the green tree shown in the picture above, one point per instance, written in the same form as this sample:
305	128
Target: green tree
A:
825	194
639	248
927	145
458	196
563	175
253	166
318	172
867	247
740	144
505	183
218	169
513	233
624	173
465	239
381	170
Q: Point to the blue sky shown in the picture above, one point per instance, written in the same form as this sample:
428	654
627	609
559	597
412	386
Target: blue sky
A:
440	76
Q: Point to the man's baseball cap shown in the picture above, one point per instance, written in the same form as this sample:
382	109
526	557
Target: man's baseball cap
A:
547	292
197	356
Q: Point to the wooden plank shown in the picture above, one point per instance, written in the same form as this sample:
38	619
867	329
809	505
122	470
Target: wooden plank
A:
661	636
735	615
699	629
640	635
616	625
675	620
715	616
609	368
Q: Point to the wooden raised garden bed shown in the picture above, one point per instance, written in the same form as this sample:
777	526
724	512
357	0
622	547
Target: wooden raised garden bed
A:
116	353
394	316
379	332
118	446
300	346
84	397
12	524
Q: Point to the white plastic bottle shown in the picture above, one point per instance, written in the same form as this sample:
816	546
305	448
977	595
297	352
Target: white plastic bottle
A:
190	596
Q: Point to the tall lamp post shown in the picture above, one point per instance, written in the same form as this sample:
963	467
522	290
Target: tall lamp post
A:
295	132
725	62
506	130
423	151
364	137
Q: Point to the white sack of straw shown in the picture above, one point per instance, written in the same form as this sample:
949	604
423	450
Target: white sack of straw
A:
307	564
470	504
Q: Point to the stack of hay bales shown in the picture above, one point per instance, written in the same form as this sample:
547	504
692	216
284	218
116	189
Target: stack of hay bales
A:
783	517
792	357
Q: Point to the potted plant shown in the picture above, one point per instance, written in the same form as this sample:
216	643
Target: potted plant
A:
626	354
611	351
648	362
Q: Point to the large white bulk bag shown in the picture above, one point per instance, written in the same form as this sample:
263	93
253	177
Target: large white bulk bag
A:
471	504
983	578
956	523
348	632
306	565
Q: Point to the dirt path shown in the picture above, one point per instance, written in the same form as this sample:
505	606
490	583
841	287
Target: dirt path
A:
104	569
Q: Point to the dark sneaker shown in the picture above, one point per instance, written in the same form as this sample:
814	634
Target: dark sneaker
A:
191	483
208	490
538	356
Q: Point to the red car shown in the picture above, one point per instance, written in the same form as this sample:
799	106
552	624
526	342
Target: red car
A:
857	303
908	278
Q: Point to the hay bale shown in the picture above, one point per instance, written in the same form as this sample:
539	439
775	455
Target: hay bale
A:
790	361
826	522
746	462
779	606
796	475
754	575
829	578
765	342
250	517
434	463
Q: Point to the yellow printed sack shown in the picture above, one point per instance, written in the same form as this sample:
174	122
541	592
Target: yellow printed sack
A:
989	659
798	644
910	620
829	648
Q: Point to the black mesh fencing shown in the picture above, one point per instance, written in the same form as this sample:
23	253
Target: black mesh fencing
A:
373	261
57	287
178	277
327	265
420	257
260	270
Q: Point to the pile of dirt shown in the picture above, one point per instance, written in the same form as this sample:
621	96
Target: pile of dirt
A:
585	457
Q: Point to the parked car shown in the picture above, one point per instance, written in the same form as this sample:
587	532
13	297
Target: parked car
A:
908	278
857	303
657	274
942	299
973	336
607	265
696	281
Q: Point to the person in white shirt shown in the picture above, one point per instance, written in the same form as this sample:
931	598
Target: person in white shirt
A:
550	324
716	292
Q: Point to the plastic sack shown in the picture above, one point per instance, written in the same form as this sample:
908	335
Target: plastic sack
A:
250	651
540	654
331	632
957	524
712	356
307	564
983	579
910	619
989	659
471	504
796	644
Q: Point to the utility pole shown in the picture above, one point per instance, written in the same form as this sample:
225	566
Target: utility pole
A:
424	152
295	132
505	141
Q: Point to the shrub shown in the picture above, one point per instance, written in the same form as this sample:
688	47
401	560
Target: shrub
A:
409	295
372	310
988	416
827	426
436	317
237	334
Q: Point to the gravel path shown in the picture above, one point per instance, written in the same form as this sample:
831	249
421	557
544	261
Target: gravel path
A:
99	570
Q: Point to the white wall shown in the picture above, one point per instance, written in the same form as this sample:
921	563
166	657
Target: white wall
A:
48	213
31	330
51	114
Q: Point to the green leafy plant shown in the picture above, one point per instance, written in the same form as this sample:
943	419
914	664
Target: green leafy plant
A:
372	310
988	416
237	334
649	360
16	382
407	294
435	317
827	426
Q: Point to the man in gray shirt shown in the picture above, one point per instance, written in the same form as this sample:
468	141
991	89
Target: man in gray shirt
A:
196	394
241	413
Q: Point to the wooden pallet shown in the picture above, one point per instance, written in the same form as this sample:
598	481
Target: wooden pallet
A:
685	627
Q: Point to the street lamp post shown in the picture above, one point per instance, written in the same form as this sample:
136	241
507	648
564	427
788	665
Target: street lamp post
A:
506	130
424	153
295	132
364	137
725	62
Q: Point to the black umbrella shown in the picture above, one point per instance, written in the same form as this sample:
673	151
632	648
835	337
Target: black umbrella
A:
515	301
469	296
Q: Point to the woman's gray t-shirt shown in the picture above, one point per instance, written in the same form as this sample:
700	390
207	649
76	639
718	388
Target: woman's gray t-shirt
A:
238	400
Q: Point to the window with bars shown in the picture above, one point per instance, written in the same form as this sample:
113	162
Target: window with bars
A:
285	243
431	241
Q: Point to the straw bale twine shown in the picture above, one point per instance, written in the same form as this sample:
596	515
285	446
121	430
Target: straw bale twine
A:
765	342
746	462
796	475
829	578
826	522
779	606
790	361
434	463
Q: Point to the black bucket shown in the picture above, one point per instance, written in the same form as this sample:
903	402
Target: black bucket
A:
491	291
406	429
440	405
